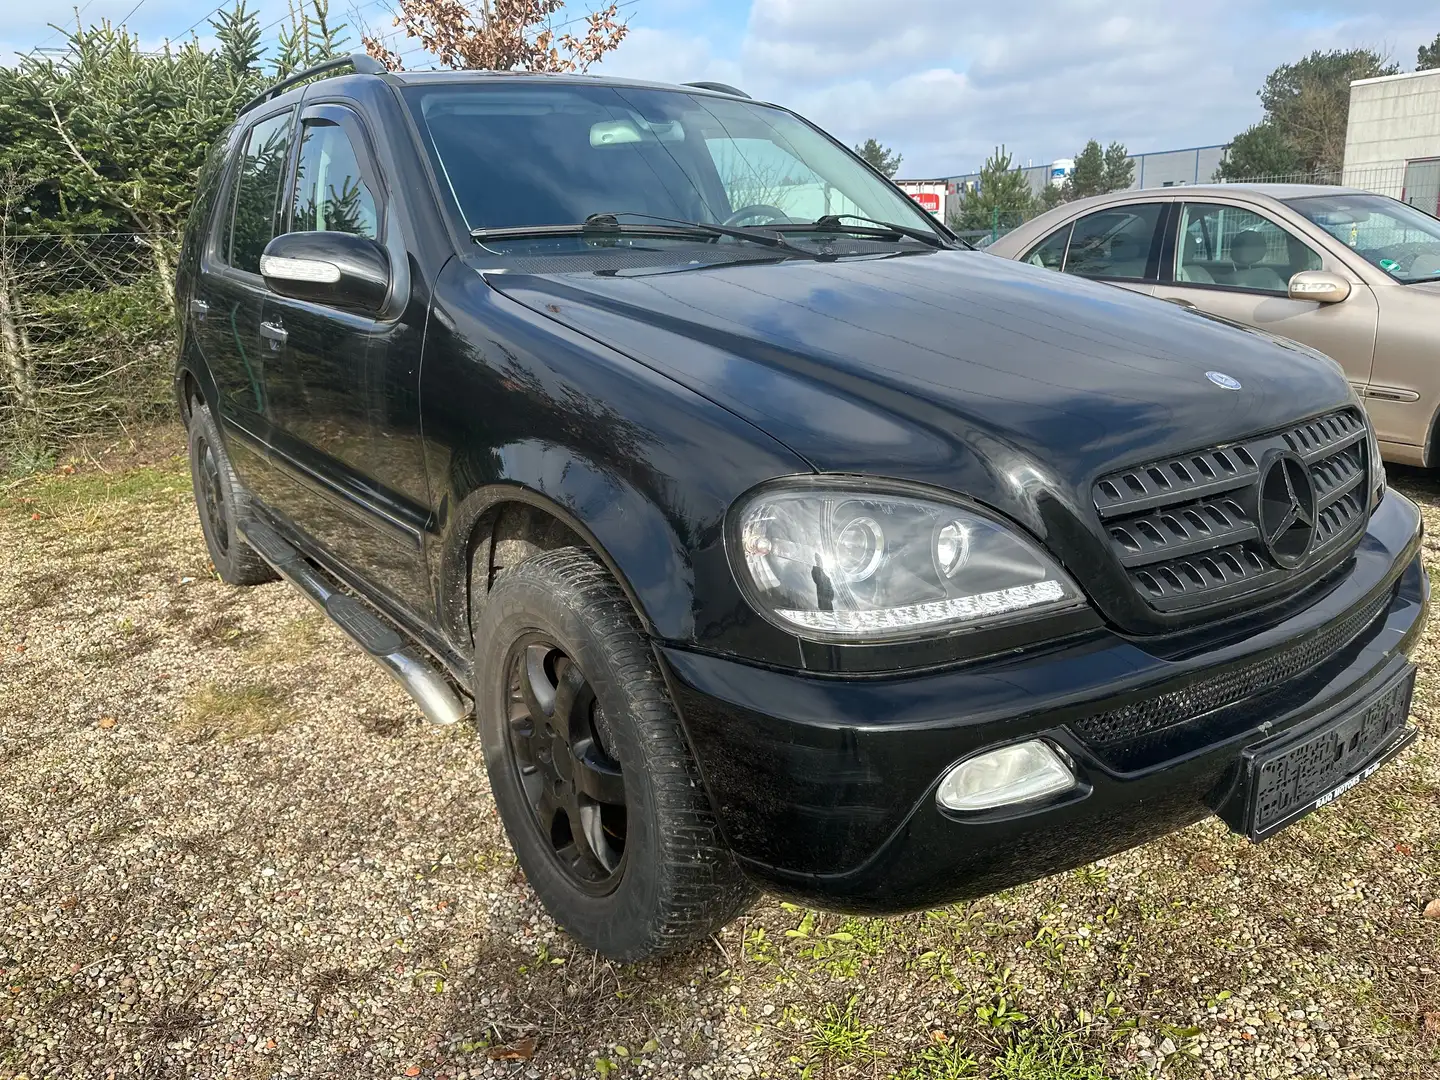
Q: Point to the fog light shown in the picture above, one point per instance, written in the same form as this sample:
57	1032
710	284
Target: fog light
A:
1011	774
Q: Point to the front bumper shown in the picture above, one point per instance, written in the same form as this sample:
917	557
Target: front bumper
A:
825	787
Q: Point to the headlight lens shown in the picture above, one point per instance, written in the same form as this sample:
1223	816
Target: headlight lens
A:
851	565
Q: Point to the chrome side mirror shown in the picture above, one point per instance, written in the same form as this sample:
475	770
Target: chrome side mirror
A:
1320	286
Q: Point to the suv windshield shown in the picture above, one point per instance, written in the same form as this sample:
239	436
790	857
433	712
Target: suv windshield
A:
1396	237
522	155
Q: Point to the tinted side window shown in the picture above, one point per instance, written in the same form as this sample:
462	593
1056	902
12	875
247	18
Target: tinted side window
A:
1050	253
1229	245
257	189
331	194
1114	242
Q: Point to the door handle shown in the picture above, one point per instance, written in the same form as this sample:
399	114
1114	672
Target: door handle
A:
274	334
199	308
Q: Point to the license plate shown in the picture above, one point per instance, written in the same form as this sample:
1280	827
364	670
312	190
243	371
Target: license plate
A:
1286	782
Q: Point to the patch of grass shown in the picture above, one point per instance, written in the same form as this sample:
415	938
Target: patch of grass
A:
236	712
841	1036
943	1059
291	642
52	494
1047	1054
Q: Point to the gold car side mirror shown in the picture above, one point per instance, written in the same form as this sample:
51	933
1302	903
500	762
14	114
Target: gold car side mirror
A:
1320	286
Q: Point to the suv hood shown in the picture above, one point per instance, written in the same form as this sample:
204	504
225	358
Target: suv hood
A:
957	369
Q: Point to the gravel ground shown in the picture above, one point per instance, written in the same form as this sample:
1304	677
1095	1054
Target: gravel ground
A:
228	847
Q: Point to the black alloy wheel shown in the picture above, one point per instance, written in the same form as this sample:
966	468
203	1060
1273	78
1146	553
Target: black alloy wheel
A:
589	765
561	750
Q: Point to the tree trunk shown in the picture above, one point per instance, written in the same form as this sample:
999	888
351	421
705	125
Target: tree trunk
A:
160	251
15	343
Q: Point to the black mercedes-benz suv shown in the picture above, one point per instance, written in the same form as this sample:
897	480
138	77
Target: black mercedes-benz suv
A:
778	540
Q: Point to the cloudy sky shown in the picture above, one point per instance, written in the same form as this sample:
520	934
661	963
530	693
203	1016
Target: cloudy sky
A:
942	81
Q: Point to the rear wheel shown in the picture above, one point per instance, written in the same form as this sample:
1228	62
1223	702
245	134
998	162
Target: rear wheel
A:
589	766
221	503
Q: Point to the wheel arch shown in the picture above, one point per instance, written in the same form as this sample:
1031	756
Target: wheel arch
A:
193	380
508	521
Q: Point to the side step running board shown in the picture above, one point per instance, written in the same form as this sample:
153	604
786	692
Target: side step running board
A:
410	666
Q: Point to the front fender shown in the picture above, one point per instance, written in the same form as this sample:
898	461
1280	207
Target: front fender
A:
633	536
516	406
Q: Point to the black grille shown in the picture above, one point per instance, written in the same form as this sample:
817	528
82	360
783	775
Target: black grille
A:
1181	529
1244	680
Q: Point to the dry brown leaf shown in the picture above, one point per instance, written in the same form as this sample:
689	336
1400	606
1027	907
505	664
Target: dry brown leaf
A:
523	1050
1432	910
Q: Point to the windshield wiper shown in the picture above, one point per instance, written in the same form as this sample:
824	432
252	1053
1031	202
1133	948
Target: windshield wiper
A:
833	223
608	224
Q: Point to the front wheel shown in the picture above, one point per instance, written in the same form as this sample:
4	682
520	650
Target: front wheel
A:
589	766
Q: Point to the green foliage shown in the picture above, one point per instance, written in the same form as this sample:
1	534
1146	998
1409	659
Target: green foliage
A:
841	1036
1003	199
1119	169
941	1060
1307	108
1428	57
1046	1054
1261	150
114	128
881	157
308	38
1088	176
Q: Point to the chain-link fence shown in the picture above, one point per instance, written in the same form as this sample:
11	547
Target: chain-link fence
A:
87	337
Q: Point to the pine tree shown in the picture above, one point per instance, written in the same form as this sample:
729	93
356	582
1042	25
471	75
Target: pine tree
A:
1428	57
1088	176
1003	199
881	157
1119	168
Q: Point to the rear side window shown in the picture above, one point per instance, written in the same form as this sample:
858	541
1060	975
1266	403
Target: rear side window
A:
1051	252
331	194
257	189
1114	243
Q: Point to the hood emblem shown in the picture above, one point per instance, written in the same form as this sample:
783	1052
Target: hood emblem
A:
1220	379
1287	509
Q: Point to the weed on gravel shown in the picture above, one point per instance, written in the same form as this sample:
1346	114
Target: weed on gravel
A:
228	848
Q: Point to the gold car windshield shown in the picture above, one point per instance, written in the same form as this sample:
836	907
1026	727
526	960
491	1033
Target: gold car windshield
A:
1400	239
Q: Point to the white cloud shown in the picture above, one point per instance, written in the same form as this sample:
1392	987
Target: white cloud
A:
944	82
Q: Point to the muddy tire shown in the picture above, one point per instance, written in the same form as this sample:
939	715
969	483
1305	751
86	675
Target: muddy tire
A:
590	767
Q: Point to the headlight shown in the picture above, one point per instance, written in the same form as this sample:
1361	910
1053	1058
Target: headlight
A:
842	563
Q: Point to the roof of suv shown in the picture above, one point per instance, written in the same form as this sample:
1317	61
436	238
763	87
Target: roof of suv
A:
361	64
1190	191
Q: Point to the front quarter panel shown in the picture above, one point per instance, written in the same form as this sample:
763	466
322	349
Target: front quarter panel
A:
516	406
1404	392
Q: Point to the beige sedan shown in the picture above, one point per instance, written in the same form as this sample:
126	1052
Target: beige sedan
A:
1353	274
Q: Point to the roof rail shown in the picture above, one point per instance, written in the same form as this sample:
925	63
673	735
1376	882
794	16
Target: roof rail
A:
719	88
363	63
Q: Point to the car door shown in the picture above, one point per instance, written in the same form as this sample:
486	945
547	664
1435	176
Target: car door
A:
344	388
1118	244
1236	261
225	310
